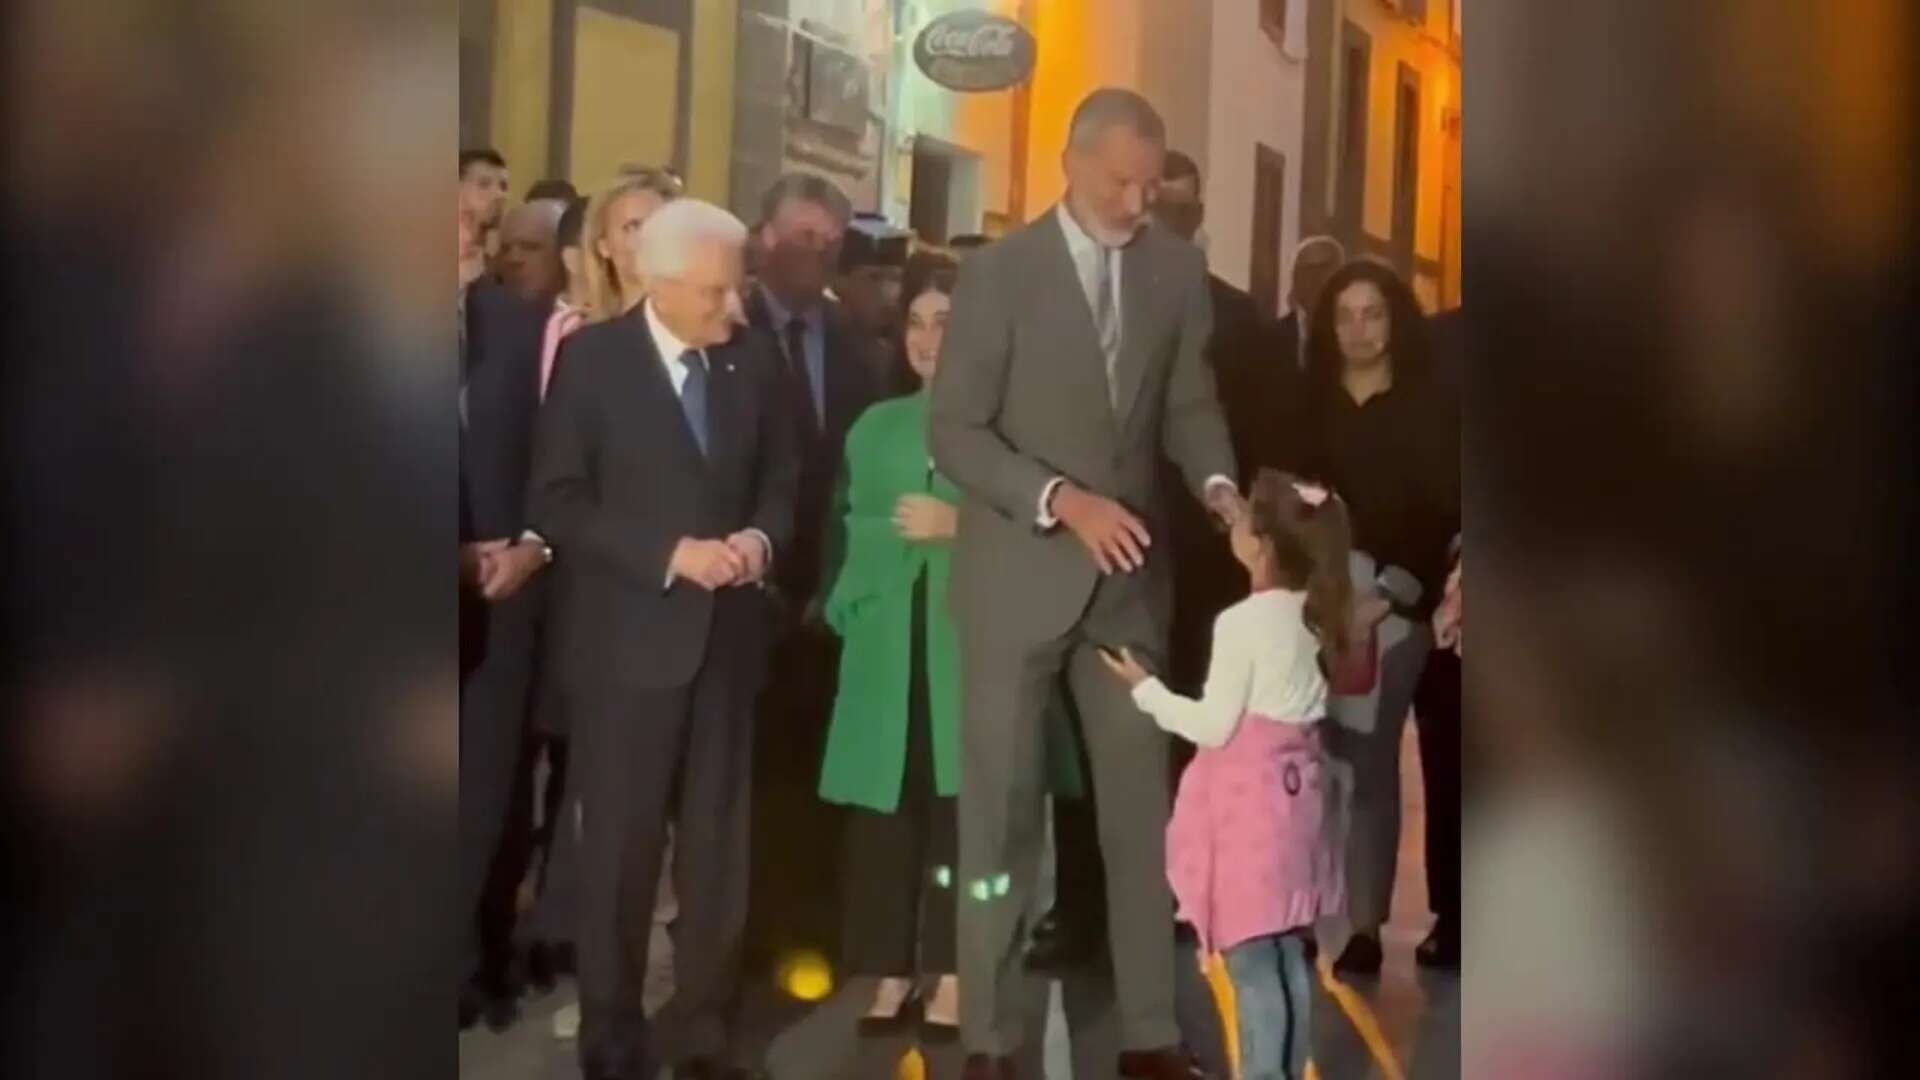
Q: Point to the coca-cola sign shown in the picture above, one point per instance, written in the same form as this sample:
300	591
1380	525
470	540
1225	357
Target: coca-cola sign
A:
974	52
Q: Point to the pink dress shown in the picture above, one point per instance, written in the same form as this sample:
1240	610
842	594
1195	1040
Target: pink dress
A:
1246	854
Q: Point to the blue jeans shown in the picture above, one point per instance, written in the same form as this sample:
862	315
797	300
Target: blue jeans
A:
1272	988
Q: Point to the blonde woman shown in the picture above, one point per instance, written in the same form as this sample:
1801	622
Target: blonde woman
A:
613	225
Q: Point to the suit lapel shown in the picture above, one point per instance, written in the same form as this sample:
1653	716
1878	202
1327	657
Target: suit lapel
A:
1137	294
724	421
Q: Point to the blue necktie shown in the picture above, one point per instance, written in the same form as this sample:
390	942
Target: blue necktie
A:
693	396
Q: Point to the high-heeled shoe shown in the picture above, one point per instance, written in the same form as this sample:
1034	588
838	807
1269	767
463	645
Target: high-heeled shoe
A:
936	1030
902	1018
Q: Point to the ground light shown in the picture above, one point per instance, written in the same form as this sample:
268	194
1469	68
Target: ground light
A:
804	975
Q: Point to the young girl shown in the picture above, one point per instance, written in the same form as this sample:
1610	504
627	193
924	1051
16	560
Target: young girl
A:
1245	854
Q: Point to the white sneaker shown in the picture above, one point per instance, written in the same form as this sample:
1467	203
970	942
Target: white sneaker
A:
566	1021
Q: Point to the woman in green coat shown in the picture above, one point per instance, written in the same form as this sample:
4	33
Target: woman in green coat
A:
892	751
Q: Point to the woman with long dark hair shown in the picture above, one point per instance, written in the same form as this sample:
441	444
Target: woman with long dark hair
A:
1386	438
892	750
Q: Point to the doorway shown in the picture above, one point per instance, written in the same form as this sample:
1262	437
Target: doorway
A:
1269	223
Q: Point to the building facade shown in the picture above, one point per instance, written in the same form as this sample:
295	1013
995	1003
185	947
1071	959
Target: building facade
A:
1381	169
1305	116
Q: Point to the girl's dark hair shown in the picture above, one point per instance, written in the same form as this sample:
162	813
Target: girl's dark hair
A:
1409	350
1310	549
925	271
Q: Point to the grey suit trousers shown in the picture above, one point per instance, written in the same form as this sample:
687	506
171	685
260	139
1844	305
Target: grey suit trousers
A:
1002	816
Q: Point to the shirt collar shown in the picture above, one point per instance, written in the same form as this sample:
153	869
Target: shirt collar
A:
781	316
670	346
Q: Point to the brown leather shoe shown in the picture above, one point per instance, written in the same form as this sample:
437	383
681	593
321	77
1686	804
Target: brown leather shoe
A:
987	1067
1167	1063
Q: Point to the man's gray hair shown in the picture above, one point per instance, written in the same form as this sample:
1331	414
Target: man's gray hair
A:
806	187
667	239
1113	107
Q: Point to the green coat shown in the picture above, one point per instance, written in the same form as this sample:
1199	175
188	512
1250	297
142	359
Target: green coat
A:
870	605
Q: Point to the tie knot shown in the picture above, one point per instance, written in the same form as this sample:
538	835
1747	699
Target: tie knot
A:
695	361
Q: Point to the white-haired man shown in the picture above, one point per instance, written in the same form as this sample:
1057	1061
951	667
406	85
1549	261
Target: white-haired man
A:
664	474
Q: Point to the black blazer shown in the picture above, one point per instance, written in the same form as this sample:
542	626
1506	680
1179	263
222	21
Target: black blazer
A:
502	381
617	482
850	388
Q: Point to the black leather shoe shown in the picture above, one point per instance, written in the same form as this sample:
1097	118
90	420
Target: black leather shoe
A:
987	1067
1442	947
1062	943
1168	1063
1361	956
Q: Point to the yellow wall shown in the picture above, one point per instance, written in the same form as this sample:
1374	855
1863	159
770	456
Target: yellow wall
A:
1082	46
1422	48
625	81
522	71
710	118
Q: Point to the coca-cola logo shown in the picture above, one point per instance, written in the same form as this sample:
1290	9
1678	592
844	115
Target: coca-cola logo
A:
975	52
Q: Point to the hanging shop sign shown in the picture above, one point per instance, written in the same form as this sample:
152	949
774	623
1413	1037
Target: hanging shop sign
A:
975	52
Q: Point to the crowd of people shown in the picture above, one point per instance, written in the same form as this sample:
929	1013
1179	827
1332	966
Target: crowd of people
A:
943	559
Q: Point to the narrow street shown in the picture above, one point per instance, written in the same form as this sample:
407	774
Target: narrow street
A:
1406	1023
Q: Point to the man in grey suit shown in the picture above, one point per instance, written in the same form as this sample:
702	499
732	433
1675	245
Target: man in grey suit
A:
1074	358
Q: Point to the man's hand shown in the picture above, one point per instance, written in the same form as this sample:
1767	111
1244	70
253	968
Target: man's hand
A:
1226	505
710	564
923	519
507	570
1116	539
753	552
473	556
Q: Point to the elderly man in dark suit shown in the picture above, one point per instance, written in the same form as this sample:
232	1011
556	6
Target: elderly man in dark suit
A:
664	474
1074	359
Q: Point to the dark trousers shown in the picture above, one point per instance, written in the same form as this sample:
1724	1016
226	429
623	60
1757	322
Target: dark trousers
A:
1436	707
642	759
556	844
899	868
493	763
796	835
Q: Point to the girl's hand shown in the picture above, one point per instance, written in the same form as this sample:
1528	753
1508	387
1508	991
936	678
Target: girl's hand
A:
924	519
1125	666
1368	612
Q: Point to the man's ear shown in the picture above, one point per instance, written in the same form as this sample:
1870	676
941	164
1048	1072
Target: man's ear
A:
574	260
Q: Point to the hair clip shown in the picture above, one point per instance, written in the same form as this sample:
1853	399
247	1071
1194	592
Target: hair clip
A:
1311	494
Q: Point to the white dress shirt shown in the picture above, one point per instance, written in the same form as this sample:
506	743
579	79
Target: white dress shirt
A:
672	350
1265	661
1086	253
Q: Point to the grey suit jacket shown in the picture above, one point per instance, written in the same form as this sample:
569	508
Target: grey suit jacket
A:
1021	396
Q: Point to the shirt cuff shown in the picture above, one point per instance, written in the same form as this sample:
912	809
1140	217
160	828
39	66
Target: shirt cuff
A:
1045	518
1148	692
1217	479
766	542
530	537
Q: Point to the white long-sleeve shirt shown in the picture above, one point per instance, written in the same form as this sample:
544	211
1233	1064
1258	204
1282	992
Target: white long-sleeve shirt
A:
1265	661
